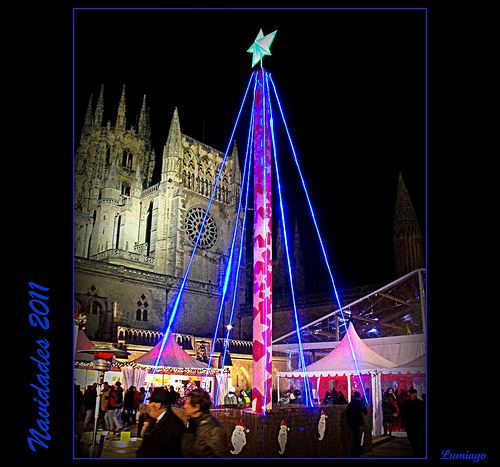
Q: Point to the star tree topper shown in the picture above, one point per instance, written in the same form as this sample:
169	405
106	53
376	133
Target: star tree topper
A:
260	47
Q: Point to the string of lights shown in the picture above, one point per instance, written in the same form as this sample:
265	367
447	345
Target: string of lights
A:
175	306
228	272
308	397
317	231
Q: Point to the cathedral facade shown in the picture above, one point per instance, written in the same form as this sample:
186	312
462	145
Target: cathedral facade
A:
133	239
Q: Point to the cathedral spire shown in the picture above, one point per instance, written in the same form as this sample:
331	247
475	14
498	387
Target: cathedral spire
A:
88	115
404	213
99	110
173	147
143	119
407	236
279	266
120	117
299	279
236	164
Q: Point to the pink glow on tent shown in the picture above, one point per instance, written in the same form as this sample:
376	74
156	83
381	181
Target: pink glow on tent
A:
173	355
84	343
340	359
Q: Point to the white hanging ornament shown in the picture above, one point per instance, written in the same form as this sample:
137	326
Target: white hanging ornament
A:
238	438
283	436
322	424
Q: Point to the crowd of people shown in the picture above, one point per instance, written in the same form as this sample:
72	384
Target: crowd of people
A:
166	435
117	408
406	405
242	399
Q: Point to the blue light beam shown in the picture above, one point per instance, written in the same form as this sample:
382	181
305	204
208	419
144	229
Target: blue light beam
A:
188	269
309	401
233	241
317	231
237	279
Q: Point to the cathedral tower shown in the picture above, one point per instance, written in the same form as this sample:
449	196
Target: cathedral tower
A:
407	236
134	237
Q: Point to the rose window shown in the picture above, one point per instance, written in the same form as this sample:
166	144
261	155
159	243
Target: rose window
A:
194	219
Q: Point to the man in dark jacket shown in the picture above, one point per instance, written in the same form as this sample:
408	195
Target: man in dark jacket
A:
165	436
354	414
205	436
413	418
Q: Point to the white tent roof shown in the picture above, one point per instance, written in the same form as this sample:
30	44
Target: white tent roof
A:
340	360
418	365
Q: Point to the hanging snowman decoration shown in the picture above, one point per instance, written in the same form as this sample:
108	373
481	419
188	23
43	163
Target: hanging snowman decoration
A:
239	438
322	424
283	436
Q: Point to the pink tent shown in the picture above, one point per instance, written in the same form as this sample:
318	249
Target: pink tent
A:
173	356
83	343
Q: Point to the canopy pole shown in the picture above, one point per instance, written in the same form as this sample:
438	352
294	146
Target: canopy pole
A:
422	301
348	388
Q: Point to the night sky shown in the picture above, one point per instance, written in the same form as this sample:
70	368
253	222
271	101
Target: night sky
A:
352	84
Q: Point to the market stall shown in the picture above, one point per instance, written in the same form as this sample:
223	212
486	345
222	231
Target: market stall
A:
401	378
345	364
175	367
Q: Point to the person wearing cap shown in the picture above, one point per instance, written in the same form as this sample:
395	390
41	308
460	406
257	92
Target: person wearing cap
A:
165	434
205	436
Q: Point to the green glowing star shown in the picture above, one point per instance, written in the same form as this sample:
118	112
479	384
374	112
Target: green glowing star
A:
260	47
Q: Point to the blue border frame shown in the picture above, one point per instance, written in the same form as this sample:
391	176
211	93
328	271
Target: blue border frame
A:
426	198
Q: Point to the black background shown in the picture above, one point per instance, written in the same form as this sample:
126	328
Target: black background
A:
38	227
352	85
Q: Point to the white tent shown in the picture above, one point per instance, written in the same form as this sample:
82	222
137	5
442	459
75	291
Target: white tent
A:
340	360
418	365
350	357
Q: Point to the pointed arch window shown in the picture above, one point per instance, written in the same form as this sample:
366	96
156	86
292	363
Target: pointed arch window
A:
127	159
149	218
125	189
118	226
95	308
141	314
94	216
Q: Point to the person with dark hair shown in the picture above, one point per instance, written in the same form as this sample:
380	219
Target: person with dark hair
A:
354	415
89	398
78	400
389	411
117	416
413	418
328	398
128	414
164	437
174	395
340	399
205	436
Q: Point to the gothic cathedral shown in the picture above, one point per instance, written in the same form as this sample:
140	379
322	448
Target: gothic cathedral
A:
133	239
